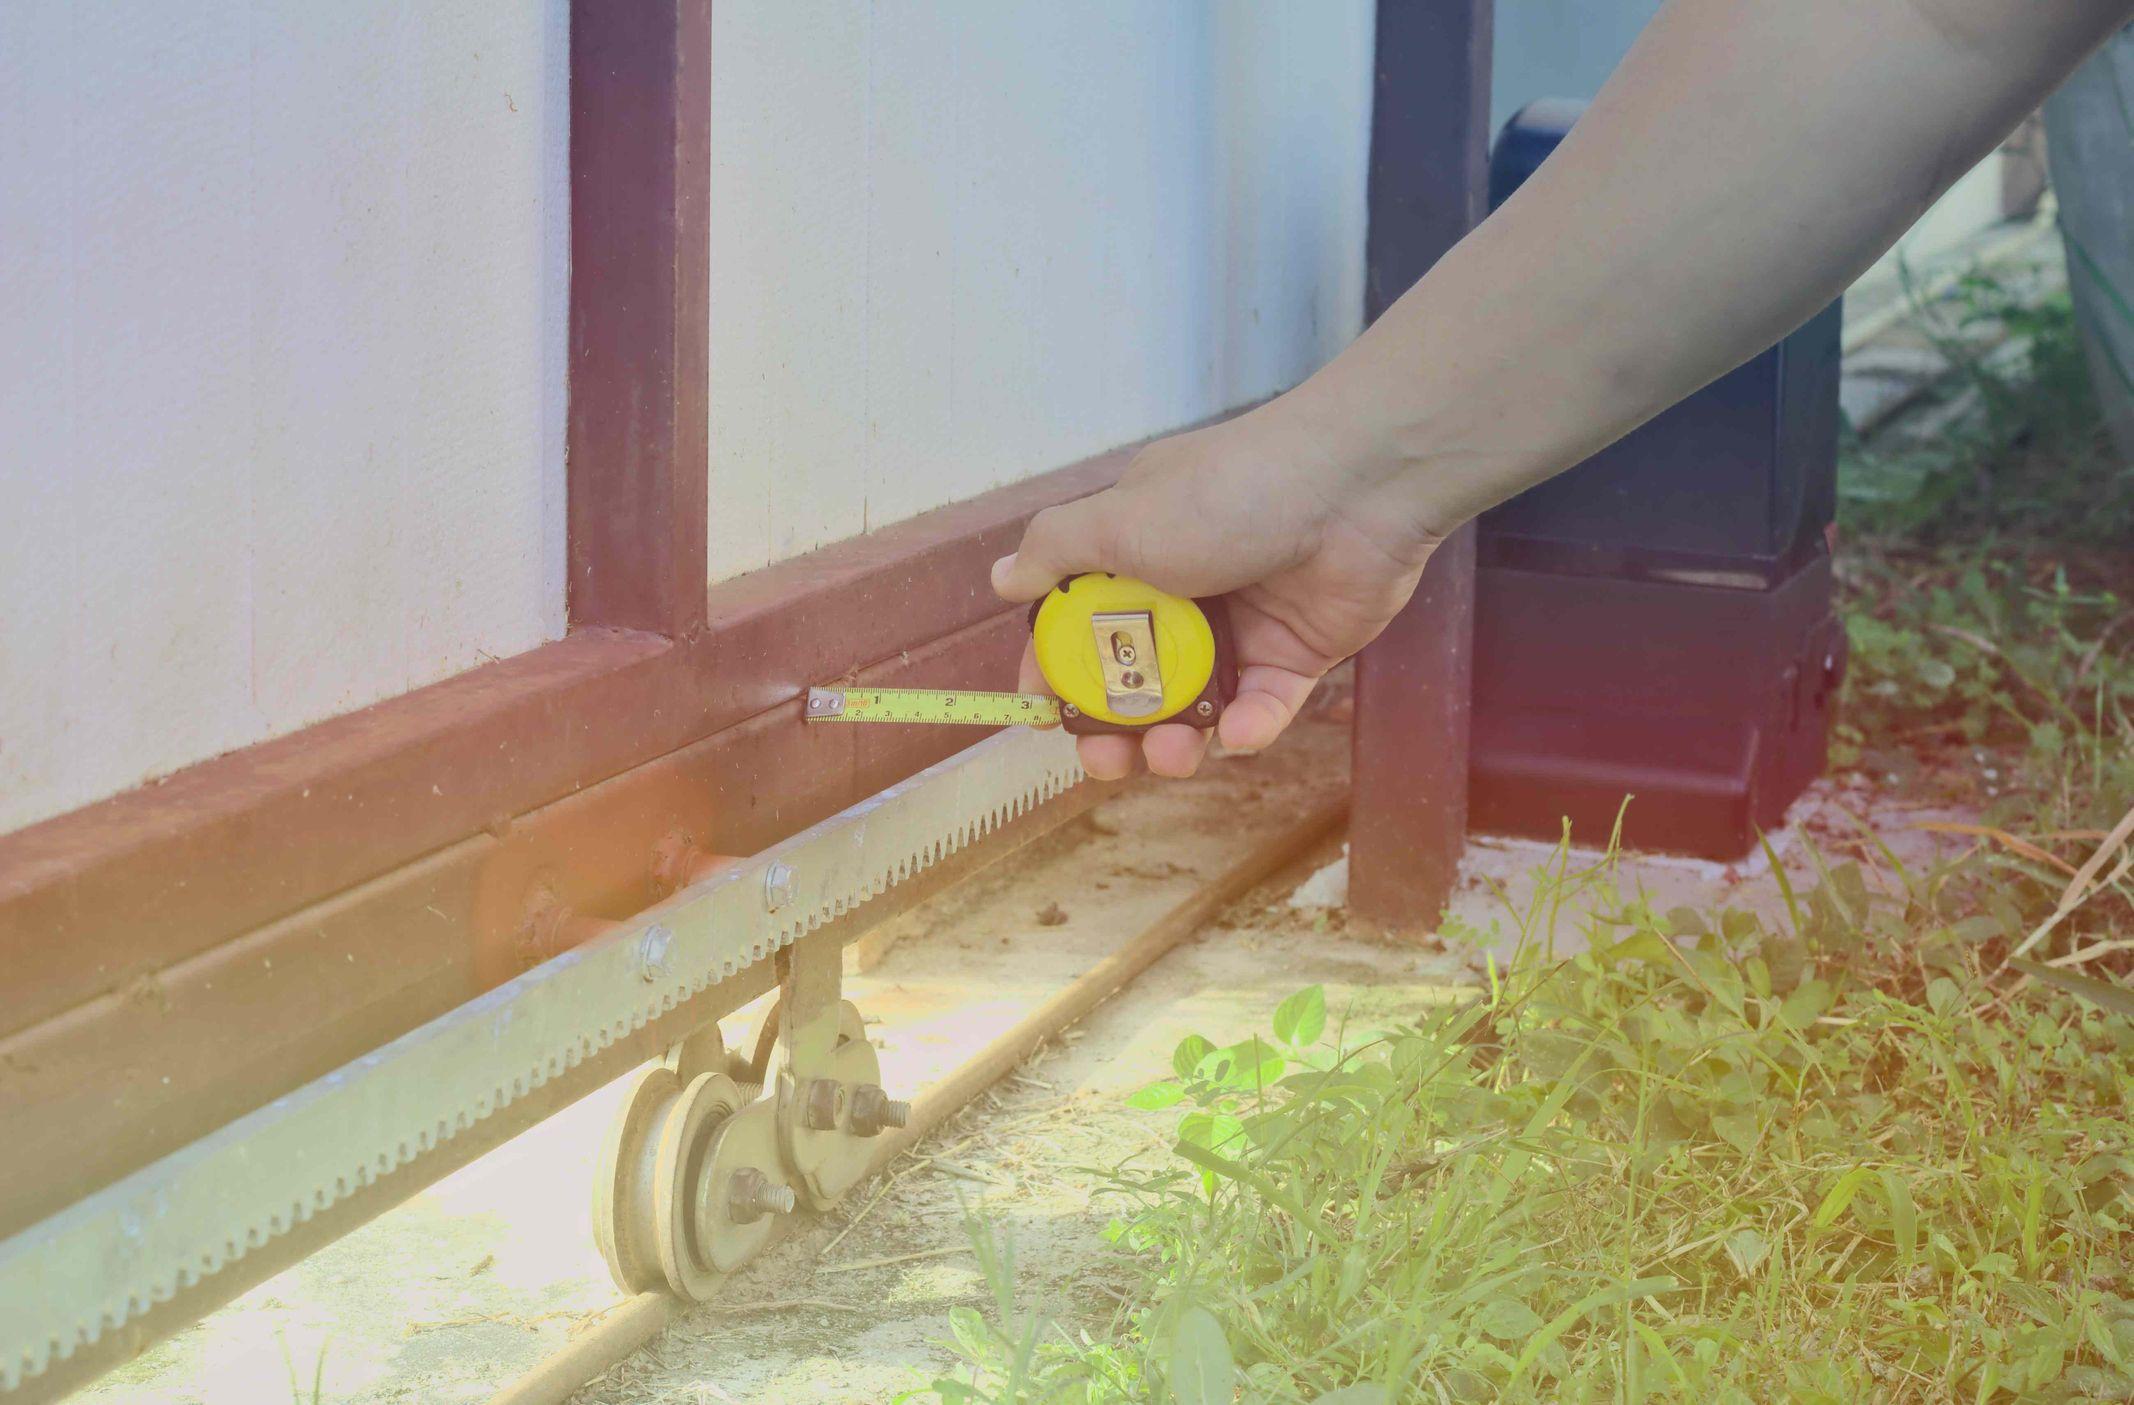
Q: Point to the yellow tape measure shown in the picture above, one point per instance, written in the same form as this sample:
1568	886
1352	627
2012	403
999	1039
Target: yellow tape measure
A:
931	705
1120	654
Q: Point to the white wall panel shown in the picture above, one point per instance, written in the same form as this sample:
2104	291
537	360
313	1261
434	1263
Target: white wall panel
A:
956	244
282	319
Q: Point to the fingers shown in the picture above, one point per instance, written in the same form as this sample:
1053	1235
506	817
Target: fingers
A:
1172	749
1060	542
1267	701
1108	758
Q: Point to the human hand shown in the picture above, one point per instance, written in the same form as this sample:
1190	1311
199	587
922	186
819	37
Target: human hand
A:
1276	511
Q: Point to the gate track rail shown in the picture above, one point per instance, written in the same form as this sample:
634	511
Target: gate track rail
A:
88	1287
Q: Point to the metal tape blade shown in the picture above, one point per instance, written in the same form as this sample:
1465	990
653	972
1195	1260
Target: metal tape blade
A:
934	706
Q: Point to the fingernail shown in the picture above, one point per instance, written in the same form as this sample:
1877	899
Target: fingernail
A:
1001	568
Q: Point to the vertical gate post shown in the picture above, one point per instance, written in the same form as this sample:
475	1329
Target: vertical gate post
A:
1428	184
637	459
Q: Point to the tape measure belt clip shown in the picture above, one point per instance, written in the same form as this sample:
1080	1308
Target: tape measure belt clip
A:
1123	657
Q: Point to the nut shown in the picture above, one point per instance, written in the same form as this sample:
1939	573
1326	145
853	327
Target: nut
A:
750	1195
824	1102
873	1110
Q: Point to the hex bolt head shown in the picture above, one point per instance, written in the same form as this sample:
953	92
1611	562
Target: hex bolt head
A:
823	1102
750	1195
654	949
777	886
1204	708
873	1110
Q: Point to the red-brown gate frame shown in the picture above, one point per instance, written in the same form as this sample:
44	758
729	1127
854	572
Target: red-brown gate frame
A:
180	954
1429	180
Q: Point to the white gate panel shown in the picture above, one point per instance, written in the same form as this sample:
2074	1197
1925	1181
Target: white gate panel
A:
282	319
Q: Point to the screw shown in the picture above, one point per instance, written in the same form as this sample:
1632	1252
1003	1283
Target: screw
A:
652	950
873	1109
750	1195
1069	710
825	1100
1132	679
1204	708
777	886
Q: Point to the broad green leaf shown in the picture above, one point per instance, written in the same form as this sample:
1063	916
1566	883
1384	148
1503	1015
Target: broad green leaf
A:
1507	1319
1210	1129
1202	1372
1301	1019
1809	1002
1747	1249
1247	1066
1639	946
1155	1096
970	1331
1943	995
1740	1130
1191	1050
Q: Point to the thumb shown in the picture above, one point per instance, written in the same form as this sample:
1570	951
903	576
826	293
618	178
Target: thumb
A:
1060	542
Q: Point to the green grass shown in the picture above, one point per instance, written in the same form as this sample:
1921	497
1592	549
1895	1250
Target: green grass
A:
1844	1158
1873	1151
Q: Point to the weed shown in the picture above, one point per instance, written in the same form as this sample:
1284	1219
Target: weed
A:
1702	1158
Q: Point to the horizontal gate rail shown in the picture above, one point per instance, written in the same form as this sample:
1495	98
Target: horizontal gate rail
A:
163	975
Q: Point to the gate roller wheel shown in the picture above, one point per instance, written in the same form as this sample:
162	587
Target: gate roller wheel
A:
653	1150
623	1184
680	1161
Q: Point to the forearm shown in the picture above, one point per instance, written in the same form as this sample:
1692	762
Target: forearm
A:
1744	164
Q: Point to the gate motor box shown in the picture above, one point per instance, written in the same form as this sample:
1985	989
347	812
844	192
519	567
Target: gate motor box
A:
1656	622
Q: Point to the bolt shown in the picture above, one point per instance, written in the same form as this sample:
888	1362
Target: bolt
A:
750	1195
1204	708
652	951
777	886
824	1101
873	1109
